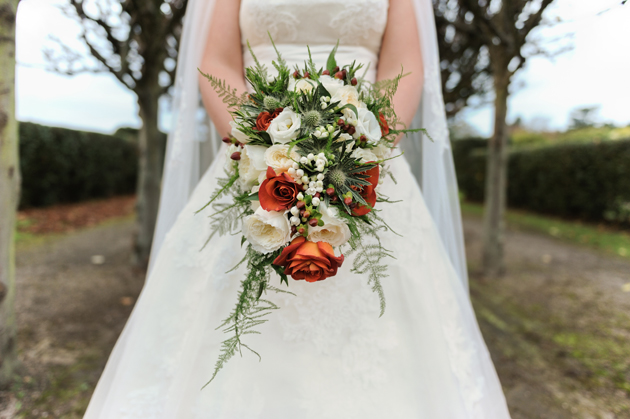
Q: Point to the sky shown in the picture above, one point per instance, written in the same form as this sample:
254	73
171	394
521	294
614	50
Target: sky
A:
595	72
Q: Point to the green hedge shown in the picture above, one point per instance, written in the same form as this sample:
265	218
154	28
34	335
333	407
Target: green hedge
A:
61	165
586	181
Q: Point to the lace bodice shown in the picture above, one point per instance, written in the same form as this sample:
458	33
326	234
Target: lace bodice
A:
358	25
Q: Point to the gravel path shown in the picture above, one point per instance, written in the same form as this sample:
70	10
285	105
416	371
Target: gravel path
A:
557	325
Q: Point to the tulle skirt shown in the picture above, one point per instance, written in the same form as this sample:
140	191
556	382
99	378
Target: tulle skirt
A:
325	352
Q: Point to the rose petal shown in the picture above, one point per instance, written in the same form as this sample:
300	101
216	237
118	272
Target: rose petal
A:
295	244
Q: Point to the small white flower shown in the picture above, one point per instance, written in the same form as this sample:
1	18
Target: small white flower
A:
320	177
291	171
319	184
324	106
310	156
296	166
267	231
295	221
300	196
285	127
320	162
303	160
295	211
315	202
270	78
299	173
318	133
321	156
305	179
319	189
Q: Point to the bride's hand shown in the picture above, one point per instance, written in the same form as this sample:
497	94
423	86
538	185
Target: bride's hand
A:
401	46
222	58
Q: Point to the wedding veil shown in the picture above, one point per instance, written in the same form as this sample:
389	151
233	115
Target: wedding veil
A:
193	142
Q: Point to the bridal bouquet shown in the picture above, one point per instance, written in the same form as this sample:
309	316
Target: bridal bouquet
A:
304	162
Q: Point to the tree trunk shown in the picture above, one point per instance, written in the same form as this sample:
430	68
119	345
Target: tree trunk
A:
150	145
9	189
496	175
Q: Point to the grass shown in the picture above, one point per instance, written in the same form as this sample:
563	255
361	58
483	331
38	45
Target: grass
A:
594	236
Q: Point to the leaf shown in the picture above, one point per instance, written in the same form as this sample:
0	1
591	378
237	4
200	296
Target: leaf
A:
243	240
252	197
332	63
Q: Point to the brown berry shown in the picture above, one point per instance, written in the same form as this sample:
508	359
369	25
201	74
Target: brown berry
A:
353	81
330	191
325	73
345	73
307	214
317	195
340	122
301	230
227	140
313	222
351	130
335	69
352	205
339	75
300	205
347	200
334	198
307	75
236	155
296	75
293	230
363	139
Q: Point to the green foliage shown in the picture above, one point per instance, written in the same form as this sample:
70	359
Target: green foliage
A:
590	181
61	165
225	92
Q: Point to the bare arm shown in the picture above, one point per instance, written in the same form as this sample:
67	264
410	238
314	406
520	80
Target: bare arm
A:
401	46
223	59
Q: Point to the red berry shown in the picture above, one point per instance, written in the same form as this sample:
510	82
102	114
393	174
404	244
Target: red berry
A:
325	73
227	140
300	205
302	213
313	222
347	200
335	69
307	214
330	191
236	155
301	230
307	75
296	75
353	205
293	230
317	195
339	75
351	130
353	81
363	138
345	73
340	122
334	198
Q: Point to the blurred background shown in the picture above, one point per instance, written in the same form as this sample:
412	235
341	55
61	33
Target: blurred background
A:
549	267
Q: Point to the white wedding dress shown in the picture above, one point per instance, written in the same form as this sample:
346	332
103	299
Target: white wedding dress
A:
325	352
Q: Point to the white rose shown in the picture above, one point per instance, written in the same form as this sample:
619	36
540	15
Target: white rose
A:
267	231
368	125
261	178
334	231
277	156
382	151
331	84
238	134
364	154
284	128
346	95
301	85
251	164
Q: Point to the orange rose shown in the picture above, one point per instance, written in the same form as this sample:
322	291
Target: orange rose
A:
278	192
264	119
383	123
307	260
368	192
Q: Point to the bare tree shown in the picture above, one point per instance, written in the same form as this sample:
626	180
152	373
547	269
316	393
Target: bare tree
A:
9	189
489	38
137	41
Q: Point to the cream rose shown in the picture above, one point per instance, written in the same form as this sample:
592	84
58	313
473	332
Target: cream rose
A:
368	125
238	134
381	151
251	164
334	231
266	230
331	84
278	158
364	154
301	85
284	128
346	95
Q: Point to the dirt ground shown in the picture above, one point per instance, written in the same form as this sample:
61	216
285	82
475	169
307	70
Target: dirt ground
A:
557	326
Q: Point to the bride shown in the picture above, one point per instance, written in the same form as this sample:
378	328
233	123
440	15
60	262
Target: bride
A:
325	353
